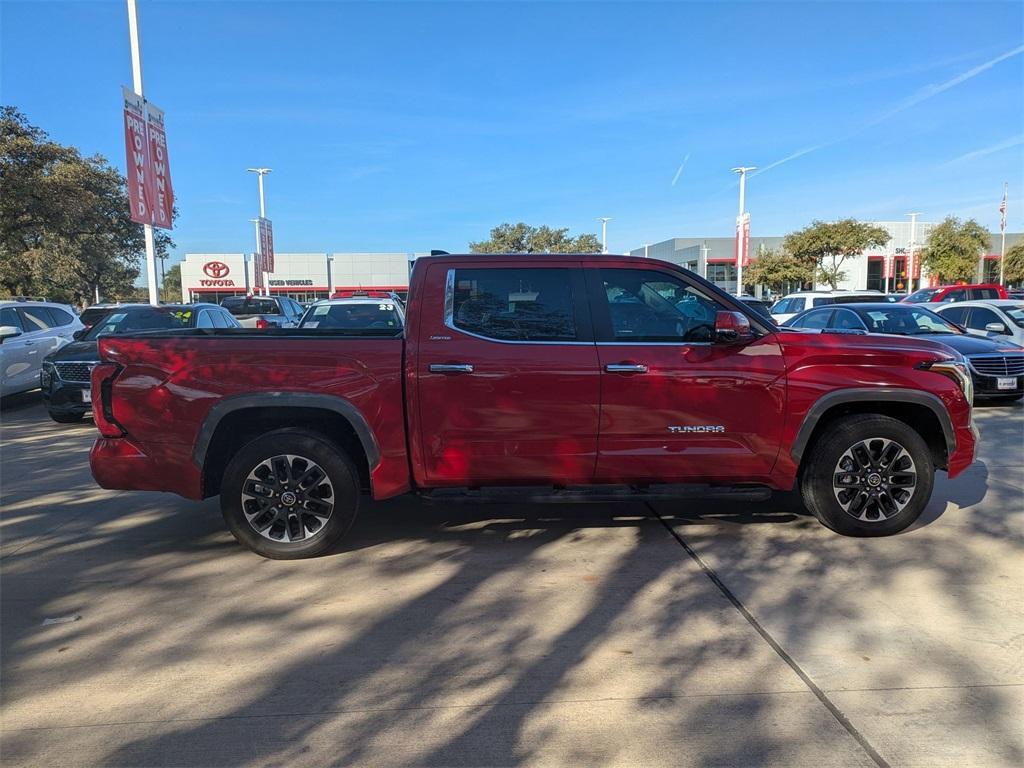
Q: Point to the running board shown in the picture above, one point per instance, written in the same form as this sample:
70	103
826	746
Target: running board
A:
596	493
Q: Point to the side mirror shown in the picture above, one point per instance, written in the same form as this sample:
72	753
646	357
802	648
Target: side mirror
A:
8	332
731	327
77	335
995	328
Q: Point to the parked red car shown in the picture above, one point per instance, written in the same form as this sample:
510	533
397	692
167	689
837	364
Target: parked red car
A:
532	377
957	293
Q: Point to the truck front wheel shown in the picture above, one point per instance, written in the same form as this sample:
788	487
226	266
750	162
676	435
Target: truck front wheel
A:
868	475
289	494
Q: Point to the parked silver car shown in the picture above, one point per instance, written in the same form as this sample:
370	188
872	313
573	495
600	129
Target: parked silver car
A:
29	331
990	317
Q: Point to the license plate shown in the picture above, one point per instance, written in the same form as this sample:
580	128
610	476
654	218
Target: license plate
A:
86	395
1006	383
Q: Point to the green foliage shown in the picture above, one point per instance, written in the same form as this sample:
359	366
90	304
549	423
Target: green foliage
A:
776	269
1013	269
522	238
953	249
825	245
171	290
65	227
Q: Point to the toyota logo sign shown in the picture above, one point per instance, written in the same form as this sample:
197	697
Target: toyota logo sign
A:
216	269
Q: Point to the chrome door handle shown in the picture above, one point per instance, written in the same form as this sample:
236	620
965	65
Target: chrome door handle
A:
626	368
451	368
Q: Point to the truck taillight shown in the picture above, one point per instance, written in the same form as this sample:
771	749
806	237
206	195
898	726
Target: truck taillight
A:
103	376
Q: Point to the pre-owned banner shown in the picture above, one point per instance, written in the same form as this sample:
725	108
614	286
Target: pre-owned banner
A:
266	231
160	168
140	191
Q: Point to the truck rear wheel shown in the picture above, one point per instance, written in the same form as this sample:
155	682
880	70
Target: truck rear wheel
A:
289	494
868	475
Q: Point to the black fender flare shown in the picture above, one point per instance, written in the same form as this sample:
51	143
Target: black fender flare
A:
872	395
338	405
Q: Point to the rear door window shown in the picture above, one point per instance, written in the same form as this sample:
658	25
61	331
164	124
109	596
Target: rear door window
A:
34	318
822	301
514	304
958	295
984	293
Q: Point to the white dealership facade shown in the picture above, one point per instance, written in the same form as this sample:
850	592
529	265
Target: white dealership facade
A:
301	276
887	268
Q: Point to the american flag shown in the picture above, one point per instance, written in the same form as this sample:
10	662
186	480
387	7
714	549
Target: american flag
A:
1002	212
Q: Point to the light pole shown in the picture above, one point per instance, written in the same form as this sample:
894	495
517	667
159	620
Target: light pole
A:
1002	236
133	34
330	279
910	254
261	172
742	171
604	232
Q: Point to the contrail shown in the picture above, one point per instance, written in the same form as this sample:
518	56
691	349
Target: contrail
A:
680	171
911	101
1014	141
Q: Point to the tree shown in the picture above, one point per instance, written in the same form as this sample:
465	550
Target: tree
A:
171	290
775	269
953	248
825	245
1013	269
65	226
522	238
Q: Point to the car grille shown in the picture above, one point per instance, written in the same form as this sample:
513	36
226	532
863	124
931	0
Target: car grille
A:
996	365
79	372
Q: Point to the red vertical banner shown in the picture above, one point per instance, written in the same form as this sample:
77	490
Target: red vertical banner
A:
160	169
746	240
140	196
743	240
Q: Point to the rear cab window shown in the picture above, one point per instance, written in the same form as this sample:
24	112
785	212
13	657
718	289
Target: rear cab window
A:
377	315
513	304
250	306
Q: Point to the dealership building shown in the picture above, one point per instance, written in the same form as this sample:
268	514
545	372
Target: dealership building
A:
301	276
882	269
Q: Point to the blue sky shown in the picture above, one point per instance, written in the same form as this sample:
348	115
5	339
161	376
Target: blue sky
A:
410	126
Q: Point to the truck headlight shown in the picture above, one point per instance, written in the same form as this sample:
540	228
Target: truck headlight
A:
958	371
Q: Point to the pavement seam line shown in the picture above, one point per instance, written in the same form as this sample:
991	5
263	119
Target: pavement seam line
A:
820	694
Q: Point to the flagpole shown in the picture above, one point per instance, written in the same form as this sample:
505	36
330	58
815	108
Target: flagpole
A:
1002	239
133	33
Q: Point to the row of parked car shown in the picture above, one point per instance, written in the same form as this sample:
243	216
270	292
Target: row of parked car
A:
48	346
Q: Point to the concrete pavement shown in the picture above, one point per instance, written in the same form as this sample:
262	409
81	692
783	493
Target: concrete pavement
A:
501	635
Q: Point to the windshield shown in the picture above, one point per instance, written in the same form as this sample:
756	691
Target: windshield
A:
364	315
923	295
244	305
92	314
142	319
1016	313
905	321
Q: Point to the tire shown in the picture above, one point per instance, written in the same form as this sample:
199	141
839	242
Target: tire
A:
866	500
66	417
267	473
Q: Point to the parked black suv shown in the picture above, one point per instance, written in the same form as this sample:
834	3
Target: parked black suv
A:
64	378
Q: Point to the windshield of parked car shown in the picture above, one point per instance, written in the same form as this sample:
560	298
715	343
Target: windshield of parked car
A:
923	295
356	316
1015	313
905	321
141	319
92	314
246	305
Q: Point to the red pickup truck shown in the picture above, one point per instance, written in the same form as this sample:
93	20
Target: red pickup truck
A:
532	377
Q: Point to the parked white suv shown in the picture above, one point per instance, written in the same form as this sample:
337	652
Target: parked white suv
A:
792	304
29	331
1002	317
